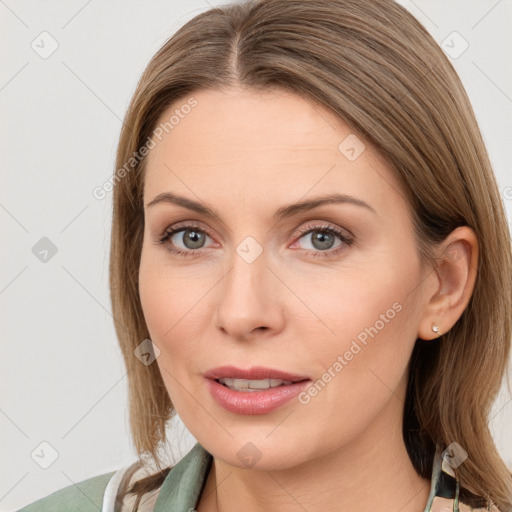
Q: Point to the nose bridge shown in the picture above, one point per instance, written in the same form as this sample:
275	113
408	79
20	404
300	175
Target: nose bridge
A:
249	243
247	295
249	264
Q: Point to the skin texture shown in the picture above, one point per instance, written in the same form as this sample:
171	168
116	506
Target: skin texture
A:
245	154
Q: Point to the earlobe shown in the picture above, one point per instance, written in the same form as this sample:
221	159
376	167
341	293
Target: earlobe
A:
431	334
456	275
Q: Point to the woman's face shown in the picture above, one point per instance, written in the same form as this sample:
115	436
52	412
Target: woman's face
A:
333	294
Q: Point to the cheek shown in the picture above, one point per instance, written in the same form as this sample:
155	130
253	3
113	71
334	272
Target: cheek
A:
166	305
369	344
171	299
154	298
363	332
361	304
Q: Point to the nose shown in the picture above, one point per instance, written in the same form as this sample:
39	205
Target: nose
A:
249	297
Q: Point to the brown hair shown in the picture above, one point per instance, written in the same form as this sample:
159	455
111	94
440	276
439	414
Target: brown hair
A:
377	68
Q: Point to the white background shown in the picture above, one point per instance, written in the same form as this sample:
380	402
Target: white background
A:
62	375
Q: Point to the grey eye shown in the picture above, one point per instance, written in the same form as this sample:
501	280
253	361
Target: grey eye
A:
192	238
321	239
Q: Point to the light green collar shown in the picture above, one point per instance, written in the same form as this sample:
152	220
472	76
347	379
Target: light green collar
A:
183	485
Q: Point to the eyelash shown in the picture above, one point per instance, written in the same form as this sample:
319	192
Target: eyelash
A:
347	241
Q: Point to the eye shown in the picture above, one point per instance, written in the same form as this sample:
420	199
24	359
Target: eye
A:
323	239
192	237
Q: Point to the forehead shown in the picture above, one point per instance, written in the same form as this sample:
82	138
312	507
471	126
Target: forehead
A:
271	143
248	119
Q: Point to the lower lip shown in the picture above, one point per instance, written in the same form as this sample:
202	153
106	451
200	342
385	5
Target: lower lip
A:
254	402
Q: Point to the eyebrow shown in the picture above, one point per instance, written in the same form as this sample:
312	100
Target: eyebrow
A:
281	213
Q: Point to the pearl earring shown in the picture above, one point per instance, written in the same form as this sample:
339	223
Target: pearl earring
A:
435	328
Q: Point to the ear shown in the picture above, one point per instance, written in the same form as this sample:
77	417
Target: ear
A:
451	283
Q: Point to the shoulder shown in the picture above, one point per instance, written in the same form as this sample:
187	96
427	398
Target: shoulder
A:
83	496
109	491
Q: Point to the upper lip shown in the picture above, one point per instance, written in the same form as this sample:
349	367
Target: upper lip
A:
253	373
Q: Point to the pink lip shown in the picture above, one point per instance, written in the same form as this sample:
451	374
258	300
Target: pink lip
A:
254	373
253	402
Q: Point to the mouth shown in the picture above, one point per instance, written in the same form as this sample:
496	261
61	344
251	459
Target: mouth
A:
256	377
254	384
257	390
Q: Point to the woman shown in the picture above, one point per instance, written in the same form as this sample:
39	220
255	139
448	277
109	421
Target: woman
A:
311	265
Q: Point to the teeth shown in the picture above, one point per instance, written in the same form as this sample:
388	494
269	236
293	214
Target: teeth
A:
253	385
